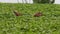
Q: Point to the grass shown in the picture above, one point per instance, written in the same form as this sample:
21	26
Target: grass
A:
49	23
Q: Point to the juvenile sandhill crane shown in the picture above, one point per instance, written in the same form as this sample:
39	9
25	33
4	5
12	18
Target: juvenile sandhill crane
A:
17	13
37	14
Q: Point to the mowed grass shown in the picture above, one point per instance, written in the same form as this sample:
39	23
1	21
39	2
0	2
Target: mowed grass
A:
49	23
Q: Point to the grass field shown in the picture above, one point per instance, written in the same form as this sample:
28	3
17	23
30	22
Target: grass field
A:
49	23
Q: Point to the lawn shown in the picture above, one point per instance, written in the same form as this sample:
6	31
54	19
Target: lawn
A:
49	23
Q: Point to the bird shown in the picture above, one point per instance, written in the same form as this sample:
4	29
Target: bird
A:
17	13
37	14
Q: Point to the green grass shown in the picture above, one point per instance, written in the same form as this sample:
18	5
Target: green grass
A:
49	23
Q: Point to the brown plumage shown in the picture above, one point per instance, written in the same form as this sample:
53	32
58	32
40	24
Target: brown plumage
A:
37	14
17	13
